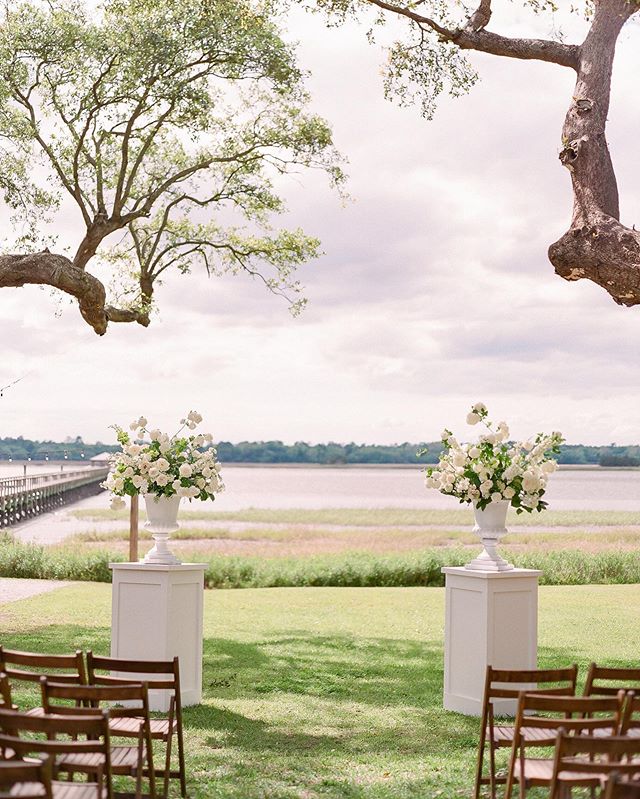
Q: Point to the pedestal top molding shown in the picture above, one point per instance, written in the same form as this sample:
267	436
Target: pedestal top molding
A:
158	567
490	575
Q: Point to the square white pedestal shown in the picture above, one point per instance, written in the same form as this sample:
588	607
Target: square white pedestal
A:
491	618
156	615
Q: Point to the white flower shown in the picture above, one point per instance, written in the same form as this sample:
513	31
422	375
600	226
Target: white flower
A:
118	484
128	472
474	452
508	493
117	503
154	472
165	446
162	464
142	422
162	479
496	496
548	467
530	482
176	485
459	458
154	434
479	408
194	416
472	418
138	481
185	470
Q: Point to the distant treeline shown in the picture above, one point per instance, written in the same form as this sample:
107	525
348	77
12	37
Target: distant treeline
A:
301	452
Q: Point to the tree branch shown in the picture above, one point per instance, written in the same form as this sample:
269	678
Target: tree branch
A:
484	41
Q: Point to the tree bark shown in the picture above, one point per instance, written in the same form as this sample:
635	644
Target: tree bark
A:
49	269
597	246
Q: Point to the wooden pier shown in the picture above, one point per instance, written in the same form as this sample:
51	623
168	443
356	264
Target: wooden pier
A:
24	497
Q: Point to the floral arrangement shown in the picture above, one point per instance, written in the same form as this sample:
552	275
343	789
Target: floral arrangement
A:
164	465
495	469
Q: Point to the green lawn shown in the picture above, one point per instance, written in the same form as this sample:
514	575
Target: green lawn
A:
332	693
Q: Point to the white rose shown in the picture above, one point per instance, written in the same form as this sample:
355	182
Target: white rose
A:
154	472
217	466
185	470
142	422
162	479
472	418
137	480
474	452
162	464
479	408
154	434
118	484
176	485
128	472
548	467
459	458
201	482
182	492
496	496
530	482
164	447
117	503
508	493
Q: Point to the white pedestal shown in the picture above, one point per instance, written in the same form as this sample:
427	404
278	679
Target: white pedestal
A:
491	619
156	615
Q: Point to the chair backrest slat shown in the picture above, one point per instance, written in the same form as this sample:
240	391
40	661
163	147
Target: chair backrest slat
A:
62	668
624	678
499	681
158	674
90	696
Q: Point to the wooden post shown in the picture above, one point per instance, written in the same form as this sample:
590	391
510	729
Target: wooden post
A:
133	530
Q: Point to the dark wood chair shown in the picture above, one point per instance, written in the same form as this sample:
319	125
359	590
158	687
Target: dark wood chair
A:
85	700
581	759
28	667
26	780
159	675
544	716
508	684
29	736
5	691
631	717
619	787
606	681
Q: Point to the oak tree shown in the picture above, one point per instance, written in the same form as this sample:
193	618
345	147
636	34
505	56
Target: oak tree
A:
167	124
431	59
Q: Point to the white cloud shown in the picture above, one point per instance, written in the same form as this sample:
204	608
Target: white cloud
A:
435	290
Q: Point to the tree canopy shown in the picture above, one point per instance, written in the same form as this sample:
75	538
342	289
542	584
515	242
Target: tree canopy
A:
166	123
430	59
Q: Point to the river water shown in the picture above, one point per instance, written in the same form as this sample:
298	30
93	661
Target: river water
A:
379	486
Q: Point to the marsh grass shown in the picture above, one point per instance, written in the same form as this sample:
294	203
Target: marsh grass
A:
375	517
331	694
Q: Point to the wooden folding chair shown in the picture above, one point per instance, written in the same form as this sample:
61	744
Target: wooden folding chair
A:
606	681
508	684
581	759
127	761
26	780
5	691
30	666
618	787
82	736
576	715
631	717
159	675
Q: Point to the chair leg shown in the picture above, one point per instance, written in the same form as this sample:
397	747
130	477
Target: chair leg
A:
492	768
167	766
181	763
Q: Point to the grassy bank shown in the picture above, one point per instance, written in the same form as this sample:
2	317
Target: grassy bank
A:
331	694
369	517
346	569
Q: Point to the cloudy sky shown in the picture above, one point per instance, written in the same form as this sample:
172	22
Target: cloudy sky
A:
434	291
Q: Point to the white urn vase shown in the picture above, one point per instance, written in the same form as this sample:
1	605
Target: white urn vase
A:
162	515
490	526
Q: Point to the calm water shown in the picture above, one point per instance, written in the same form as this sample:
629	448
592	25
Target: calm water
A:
377	487
16	468
356	487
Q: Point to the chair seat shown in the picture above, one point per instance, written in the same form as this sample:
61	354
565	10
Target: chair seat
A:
130	727
28	789
503	735
77	790
124	760
539	771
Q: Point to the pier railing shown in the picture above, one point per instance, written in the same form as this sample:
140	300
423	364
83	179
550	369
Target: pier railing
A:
24	497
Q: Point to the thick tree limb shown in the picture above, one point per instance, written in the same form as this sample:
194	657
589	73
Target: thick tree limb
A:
49	269
597	246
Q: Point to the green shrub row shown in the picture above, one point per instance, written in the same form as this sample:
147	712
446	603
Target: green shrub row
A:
353	569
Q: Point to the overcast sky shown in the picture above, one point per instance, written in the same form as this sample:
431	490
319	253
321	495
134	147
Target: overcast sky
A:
435	290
